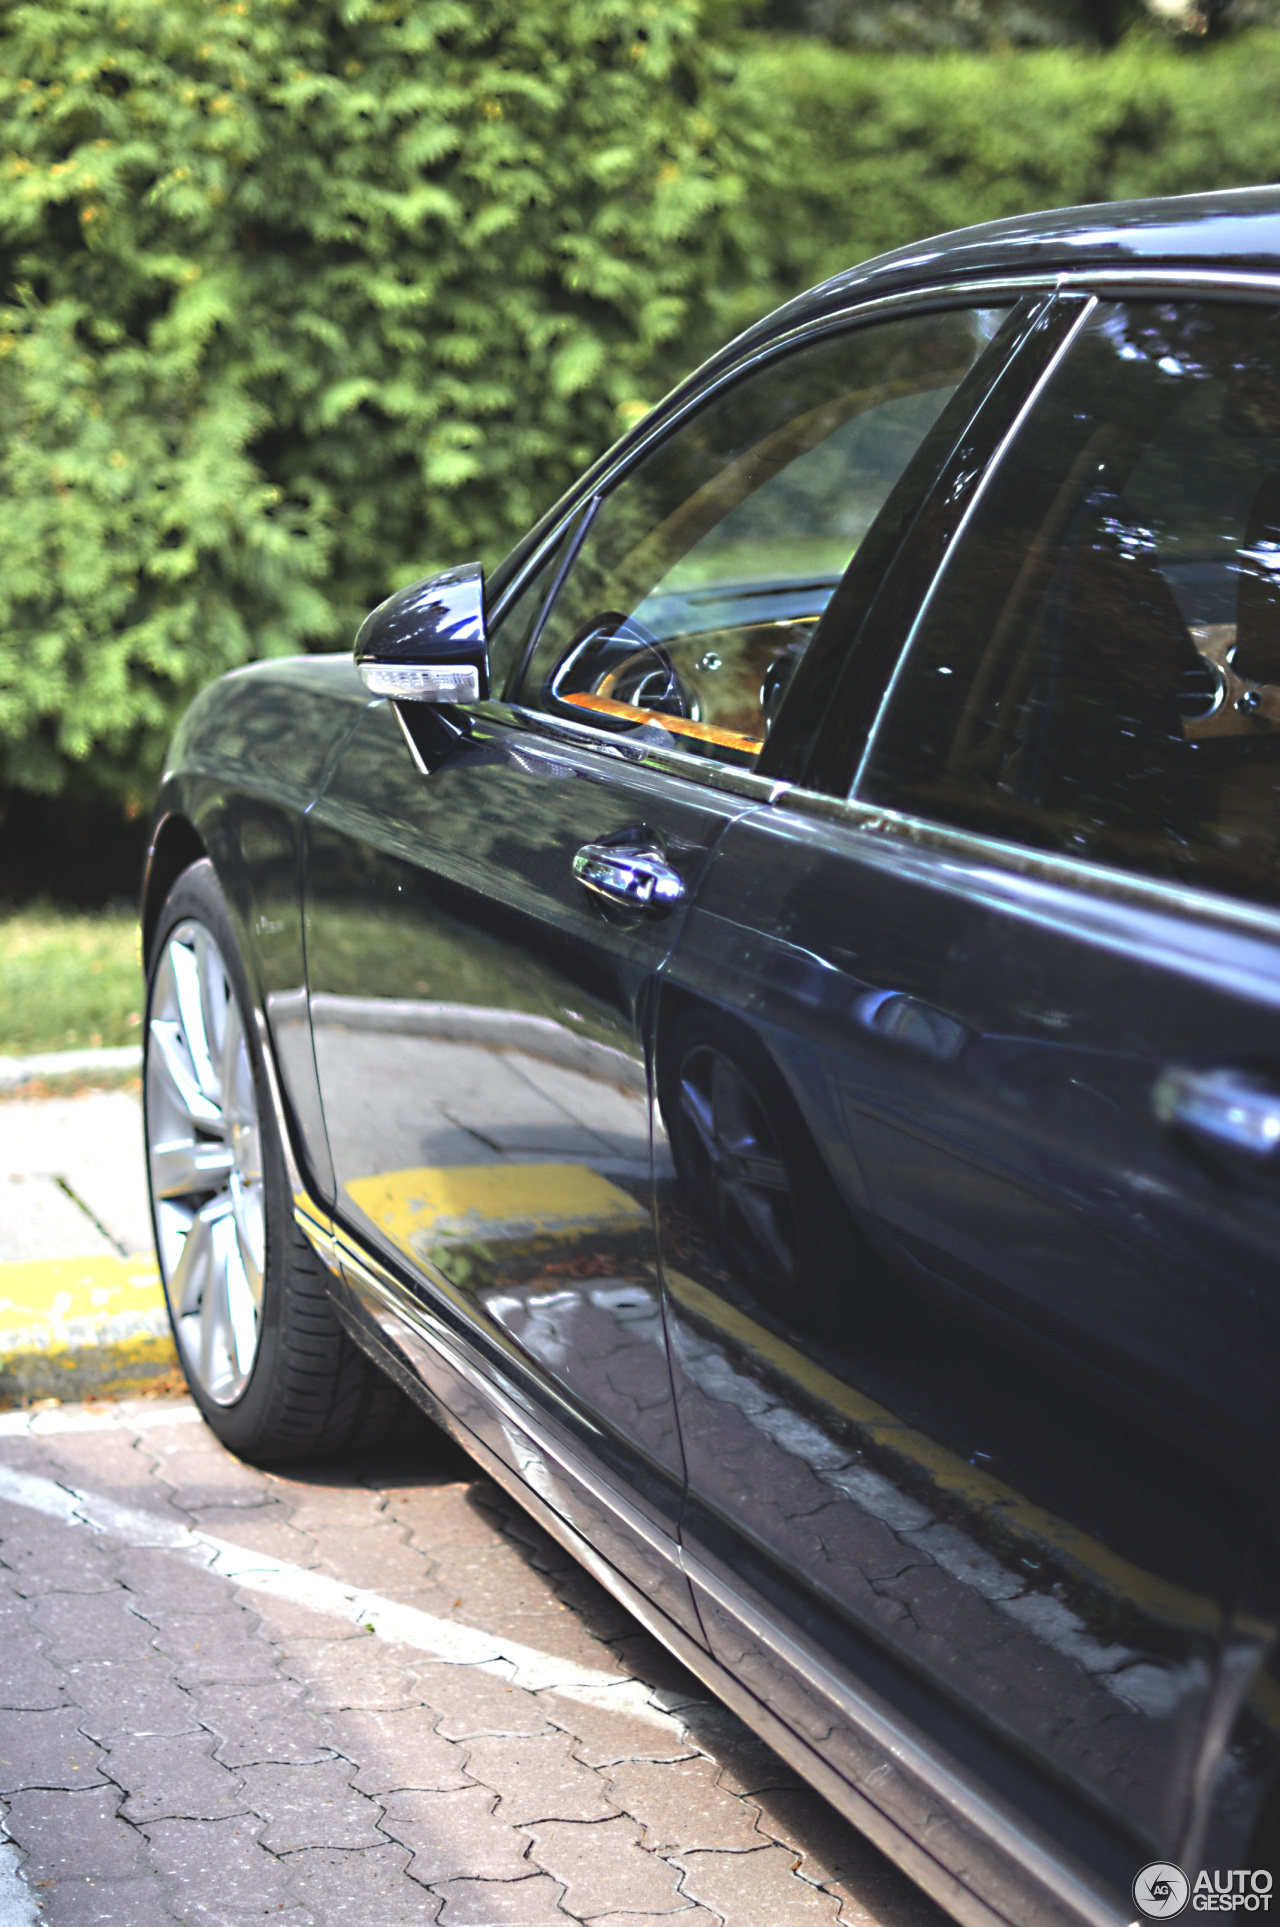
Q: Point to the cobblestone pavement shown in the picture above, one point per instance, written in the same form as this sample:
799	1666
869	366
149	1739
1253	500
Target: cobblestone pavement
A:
362	1694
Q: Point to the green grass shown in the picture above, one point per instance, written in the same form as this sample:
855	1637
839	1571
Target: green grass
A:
68	982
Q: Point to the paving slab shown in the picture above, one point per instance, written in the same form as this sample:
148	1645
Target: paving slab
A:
206	1753
427	1715
82	1311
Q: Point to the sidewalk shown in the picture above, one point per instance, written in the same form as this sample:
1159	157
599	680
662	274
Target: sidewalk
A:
81	1310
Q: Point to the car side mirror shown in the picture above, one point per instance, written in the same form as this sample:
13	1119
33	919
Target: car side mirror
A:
427	643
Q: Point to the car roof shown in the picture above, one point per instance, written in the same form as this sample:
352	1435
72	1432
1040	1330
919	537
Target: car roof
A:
1232	228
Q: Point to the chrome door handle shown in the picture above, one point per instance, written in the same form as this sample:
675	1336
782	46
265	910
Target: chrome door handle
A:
1227	1110
629	879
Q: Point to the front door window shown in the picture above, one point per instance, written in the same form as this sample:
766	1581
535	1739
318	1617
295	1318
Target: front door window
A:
703	575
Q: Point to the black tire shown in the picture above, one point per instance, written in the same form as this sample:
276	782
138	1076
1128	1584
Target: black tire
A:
311	1390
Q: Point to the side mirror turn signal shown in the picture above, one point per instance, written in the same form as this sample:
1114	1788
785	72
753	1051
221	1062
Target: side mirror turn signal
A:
427	643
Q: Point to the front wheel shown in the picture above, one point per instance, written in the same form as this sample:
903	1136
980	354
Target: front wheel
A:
264	1354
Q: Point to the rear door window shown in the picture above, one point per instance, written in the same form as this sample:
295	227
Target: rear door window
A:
702	576
1097	671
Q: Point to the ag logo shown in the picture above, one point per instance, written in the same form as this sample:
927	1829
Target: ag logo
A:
1161	1890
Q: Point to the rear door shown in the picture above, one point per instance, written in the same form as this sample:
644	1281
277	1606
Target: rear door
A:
490	896
972	1083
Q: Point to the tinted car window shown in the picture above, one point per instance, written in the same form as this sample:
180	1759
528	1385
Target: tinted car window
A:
1098	670
703	574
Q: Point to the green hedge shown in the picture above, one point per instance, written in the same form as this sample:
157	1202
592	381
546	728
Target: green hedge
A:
878	150
302	298
299	299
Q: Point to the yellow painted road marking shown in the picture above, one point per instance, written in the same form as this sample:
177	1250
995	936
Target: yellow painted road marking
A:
59	1291
493	1203
74	1328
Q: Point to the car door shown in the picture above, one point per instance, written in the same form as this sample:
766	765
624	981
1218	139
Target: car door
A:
490	895
970	1079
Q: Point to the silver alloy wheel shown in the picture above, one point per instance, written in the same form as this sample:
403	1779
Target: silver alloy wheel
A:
204	1153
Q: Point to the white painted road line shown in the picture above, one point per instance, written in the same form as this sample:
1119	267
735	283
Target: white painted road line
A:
443	1639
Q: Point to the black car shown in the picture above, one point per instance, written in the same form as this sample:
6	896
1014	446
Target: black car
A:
764	1018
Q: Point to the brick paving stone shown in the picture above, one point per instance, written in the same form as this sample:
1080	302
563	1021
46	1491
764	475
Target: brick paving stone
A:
757	1889
75	1833
873	1902
455	1835
387	1788
42	1556
606	1618
46	1750
116	1697
680	1806
264	1528
829	1848
501	1903
564	1635
489	1583
640	1653
311	1806
606	1731
174	1778
161	1583
327	1502
603	1867
378	1557
398	1748
220	1861
264	1722
359	1673
101	1625
539	1779
90	1901
210	1647
281	1620
201	1481
362	1889
27	1680
471	1702
440	1519
110	1462
691	1916
15	1611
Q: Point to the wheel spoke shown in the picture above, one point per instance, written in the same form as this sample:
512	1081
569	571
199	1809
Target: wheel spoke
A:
242	1309
216	1001
192	1017
191	1273
758	1167
183	1165
204	1153
215	1312
761	1222
168	1057
698	1112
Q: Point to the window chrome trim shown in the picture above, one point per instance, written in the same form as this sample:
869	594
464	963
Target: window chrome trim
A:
930	298
1191	902
702	770
1186	280
927	297
1087	307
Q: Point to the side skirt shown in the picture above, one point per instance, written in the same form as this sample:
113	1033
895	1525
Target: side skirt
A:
988	1869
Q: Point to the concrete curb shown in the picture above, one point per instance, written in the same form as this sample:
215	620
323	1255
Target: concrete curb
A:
84	1328
15	1071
